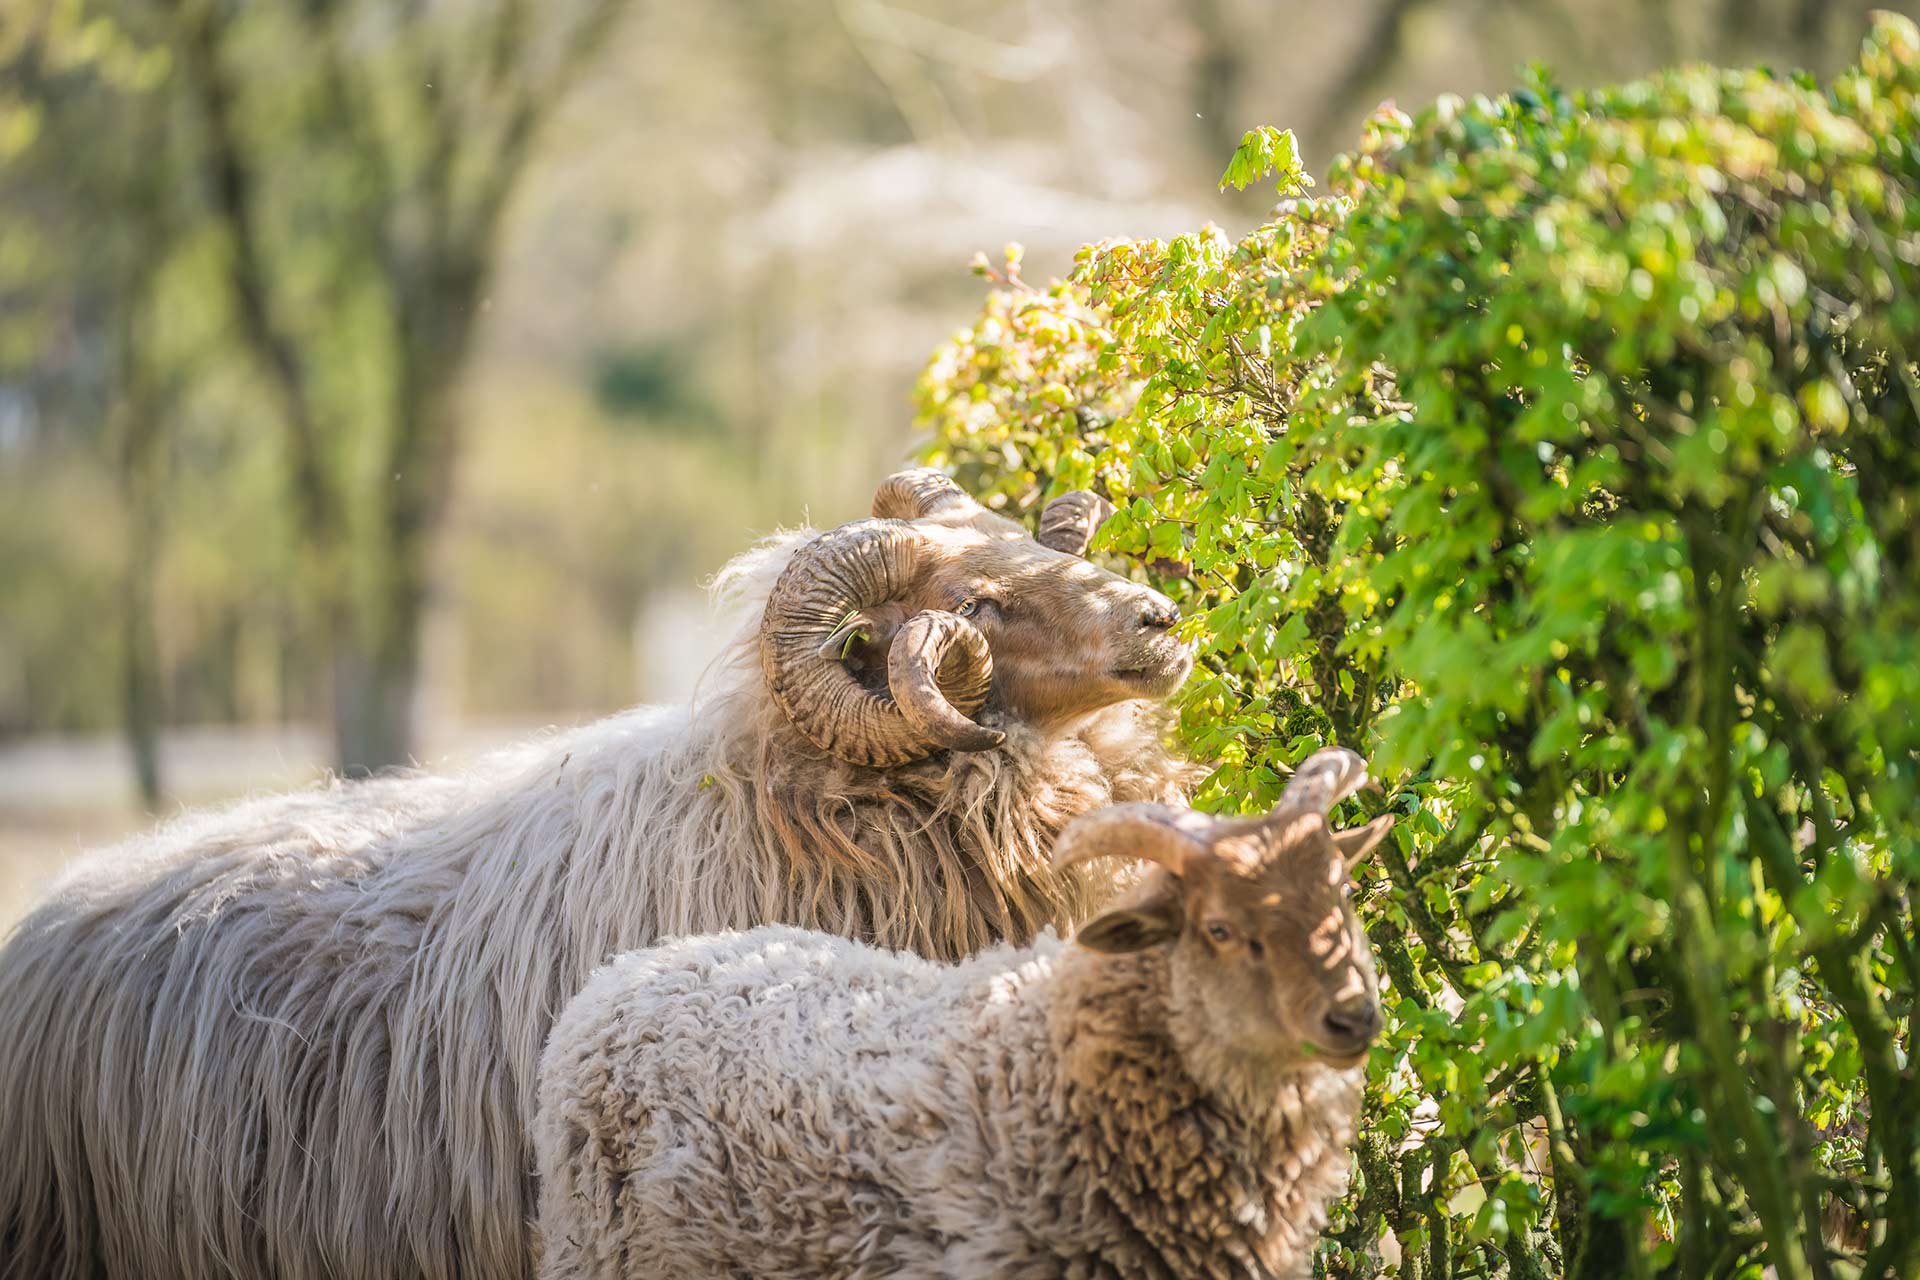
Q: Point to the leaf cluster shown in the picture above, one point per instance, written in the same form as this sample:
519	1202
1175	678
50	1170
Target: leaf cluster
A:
1565	459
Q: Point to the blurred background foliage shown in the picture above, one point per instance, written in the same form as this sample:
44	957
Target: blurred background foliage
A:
376	377
1564	457
388	367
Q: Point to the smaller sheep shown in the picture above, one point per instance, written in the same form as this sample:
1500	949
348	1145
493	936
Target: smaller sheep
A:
1173	1094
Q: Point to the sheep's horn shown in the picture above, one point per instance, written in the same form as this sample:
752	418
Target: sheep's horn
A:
940	678
910	495
1323	780
937	664
1174	838
1068	522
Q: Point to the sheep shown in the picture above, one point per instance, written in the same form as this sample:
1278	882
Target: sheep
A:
299	1038
1172	1095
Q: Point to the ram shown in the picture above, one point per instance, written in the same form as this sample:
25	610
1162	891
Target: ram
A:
1172	1095
299	1037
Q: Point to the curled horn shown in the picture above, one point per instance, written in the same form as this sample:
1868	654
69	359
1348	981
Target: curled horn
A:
910	495
1174	838
938	669
1323	780
937	664
1069	521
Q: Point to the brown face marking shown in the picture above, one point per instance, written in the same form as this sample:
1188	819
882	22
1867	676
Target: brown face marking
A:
1267	961
1264	938
1318	962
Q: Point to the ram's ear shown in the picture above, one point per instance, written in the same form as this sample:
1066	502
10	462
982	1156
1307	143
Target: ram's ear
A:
1134	927
1069	522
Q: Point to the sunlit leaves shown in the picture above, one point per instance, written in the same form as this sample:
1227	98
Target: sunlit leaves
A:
1266	152
1567	461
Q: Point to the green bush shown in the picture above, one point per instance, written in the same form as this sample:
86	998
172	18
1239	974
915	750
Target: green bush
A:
1566	460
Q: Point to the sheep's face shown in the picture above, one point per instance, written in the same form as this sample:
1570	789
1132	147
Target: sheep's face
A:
885	637
1066	636
1267	959
1270	951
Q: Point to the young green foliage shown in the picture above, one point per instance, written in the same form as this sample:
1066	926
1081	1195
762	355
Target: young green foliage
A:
1565	460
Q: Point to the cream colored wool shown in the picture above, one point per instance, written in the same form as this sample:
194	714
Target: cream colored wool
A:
297	1038
782	1104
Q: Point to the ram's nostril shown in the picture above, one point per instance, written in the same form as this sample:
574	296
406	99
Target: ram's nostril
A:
1159	615
1353	1024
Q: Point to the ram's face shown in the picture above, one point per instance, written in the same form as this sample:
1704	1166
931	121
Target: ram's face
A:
886	636
1065	635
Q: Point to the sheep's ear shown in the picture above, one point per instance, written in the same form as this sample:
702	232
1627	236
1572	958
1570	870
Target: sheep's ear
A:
856	628
1356	843
1134	928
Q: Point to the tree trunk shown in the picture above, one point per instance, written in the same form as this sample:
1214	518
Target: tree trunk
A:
138	410
376	664
374	686
376	670
140	654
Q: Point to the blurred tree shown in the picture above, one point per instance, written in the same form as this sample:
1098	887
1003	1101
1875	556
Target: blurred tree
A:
358	158
1423	43
140	409
744	267
90	131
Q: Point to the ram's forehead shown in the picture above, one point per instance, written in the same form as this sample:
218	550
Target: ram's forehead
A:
999	527
964	532
995	543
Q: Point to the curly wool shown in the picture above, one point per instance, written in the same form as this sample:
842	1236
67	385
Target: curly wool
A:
298	1037
784	1104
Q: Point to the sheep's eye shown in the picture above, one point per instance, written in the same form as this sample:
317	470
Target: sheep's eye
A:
1219	932
1346	891
1254	947
969	607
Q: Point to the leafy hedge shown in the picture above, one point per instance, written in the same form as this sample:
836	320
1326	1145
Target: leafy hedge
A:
1566	460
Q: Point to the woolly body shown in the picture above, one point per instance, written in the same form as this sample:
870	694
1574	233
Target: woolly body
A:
298	1037
784	1104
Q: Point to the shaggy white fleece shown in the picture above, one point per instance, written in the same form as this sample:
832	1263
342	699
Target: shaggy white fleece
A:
298	1038
783	1104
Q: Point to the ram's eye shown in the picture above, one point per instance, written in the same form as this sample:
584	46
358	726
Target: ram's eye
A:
1219	932
1346	891
968	607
